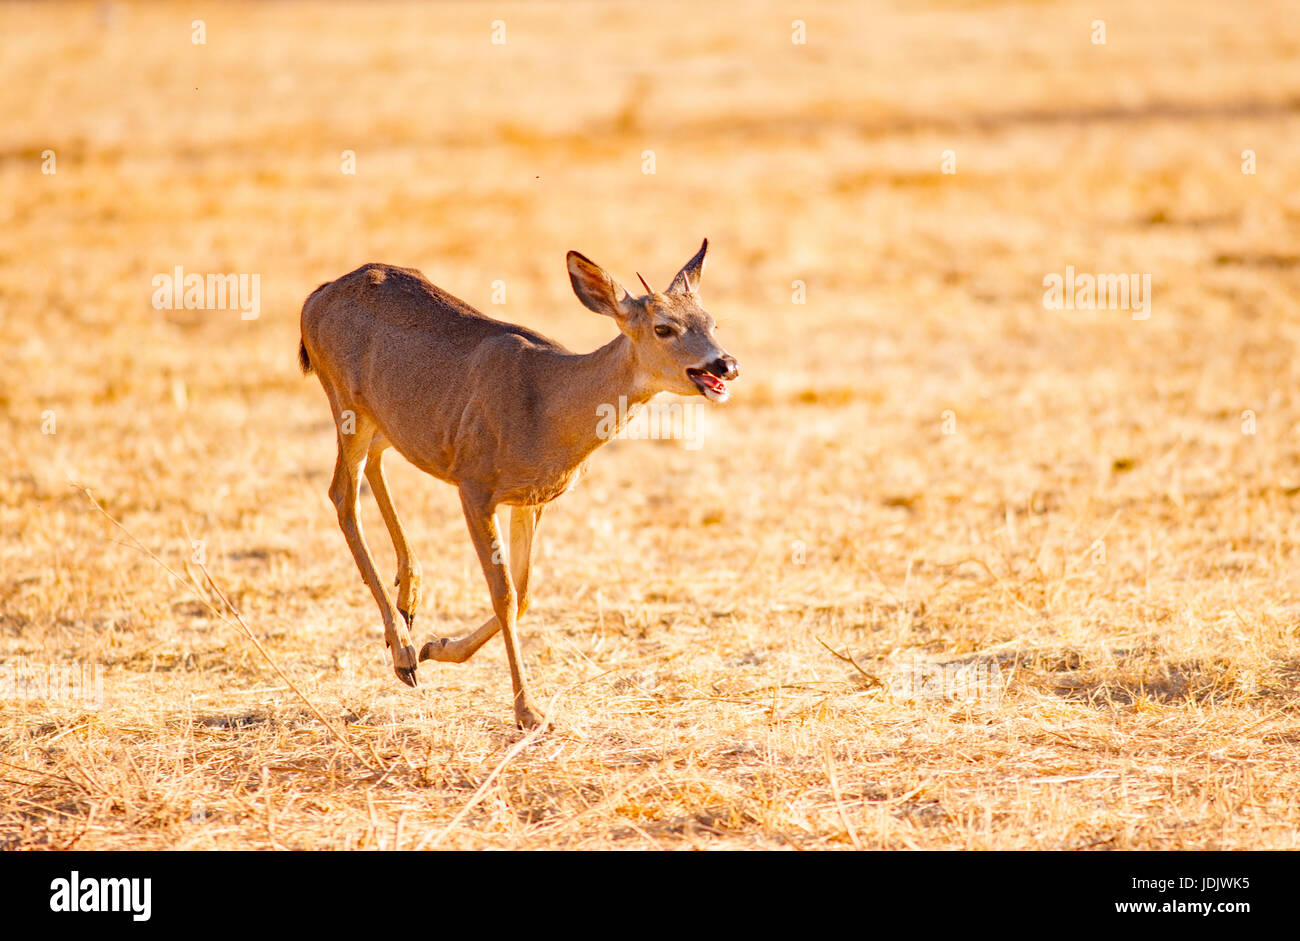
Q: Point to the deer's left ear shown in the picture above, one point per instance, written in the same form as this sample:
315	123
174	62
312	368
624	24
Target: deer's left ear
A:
688	279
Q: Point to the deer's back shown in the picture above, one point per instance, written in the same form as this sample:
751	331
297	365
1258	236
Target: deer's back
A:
379	300
385	340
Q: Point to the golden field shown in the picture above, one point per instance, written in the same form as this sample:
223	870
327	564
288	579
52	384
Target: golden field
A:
922	466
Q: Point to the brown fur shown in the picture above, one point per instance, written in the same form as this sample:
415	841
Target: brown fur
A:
498	410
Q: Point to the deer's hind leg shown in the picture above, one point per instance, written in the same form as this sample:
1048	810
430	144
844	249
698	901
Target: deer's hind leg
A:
408	568
345	491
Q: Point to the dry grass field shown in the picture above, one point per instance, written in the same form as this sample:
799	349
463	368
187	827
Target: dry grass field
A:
922	467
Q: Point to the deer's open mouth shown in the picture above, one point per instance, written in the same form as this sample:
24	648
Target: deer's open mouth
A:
710	386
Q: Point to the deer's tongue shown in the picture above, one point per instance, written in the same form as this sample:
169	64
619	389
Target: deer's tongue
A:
713	382
711	387
707	382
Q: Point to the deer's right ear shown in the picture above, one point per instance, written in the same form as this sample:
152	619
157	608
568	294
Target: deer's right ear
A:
596	289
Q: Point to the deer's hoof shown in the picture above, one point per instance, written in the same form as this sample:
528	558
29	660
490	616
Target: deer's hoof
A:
409	616
406	673
527	717
443	649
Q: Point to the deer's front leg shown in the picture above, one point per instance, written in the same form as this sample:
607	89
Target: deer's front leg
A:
523	522
481	519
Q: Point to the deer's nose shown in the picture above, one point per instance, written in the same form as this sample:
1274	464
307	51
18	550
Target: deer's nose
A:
725	367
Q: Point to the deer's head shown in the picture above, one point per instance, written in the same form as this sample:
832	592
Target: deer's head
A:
671	333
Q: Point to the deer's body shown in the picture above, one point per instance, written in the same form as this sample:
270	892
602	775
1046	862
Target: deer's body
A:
498	410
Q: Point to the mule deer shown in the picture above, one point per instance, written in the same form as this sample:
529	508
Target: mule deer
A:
506	415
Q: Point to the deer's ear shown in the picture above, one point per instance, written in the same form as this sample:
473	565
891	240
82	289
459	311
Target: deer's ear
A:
688	279
596	288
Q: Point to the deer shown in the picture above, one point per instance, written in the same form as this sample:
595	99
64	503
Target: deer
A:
499	411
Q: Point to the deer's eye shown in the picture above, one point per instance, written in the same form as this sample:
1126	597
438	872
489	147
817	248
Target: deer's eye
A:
663	331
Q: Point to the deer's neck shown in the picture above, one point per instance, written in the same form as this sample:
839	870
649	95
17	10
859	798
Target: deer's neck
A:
599	393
